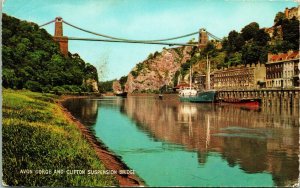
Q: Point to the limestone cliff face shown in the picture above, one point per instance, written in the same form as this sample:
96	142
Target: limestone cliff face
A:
158	70
116	86
92	83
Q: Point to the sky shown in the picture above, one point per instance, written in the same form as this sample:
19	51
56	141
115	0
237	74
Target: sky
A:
141	20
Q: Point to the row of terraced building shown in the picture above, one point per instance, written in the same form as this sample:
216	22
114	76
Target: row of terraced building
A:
281	71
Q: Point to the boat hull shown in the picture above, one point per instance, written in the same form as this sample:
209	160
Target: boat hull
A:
244	102
202	97
124	94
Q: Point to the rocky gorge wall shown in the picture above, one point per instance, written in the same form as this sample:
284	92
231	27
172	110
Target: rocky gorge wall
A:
158	70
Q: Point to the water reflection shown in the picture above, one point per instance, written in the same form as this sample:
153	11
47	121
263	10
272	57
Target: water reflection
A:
85	110
256	141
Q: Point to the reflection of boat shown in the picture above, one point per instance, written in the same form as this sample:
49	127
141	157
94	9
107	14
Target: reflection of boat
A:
187	109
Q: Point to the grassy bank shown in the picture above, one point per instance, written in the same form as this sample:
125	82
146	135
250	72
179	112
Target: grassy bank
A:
37	138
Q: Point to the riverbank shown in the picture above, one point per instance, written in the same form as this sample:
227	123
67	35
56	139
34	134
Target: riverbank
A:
43	145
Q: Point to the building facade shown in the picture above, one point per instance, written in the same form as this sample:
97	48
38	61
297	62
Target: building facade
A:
292	12
240	77
282	70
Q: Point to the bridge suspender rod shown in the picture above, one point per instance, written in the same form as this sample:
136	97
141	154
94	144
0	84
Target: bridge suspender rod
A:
115	38
129	41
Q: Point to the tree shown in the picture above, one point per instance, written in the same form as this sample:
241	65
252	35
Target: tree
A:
33	86
235	42
235	59
250	31
123	81
210	50
251	53
290	30
280	16
32	59
9	78
261	38
106	86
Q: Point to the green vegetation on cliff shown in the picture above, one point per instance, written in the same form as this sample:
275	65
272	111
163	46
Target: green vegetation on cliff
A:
106	86
37	138
32	60
251	45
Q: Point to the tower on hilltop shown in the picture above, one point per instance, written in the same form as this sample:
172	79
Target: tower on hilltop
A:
203	38
58	36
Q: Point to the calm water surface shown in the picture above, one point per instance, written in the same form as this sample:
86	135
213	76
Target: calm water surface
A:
170	143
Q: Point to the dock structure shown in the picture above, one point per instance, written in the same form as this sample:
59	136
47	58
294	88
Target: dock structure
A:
268	97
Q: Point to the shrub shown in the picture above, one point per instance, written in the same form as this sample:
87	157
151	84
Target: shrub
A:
58	90
33	86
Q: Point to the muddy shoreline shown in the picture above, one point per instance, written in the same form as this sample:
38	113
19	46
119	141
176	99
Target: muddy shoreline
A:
110	160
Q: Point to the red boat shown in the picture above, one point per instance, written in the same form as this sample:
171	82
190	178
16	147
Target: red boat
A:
243	102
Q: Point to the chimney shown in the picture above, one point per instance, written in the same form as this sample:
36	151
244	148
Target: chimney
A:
270	57
286	12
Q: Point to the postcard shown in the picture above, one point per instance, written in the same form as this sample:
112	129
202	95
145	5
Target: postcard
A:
196	93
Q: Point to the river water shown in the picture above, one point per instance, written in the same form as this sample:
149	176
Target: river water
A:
169	143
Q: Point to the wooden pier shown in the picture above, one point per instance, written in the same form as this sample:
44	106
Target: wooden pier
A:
268	97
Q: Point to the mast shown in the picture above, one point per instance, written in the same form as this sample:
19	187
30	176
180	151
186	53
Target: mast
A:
190	77
208	73
207	140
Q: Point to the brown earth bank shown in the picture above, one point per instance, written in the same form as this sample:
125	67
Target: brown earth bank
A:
109	159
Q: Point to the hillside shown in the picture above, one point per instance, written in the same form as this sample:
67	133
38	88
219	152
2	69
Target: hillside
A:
32	60
157	71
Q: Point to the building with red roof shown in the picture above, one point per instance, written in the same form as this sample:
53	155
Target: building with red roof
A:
282	70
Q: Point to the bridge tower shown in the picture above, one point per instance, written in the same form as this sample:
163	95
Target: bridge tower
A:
58	36
203	38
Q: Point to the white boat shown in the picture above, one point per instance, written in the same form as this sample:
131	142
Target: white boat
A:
188	91
207	95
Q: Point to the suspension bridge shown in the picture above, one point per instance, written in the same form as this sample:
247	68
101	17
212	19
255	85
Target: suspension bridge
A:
63	40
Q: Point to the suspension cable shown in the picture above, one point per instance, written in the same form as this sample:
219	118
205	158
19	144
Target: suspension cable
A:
115	38
213	36
47	23
132	41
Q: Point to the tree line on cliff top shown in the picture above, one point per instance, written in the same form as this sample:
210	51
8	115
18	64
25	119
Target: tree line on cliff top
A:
251	45
32	60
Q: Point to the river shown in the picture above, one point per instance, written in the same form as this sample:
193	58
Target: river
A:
169	143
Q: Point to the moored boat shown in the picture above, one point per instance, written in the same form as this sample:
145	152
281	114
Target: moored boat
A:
188	92
243	102
207	96
122	94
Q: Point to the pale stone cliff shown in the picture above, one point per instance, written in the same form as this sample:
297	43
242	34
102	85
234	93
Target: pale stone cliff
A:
116	86
93	84
158	70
